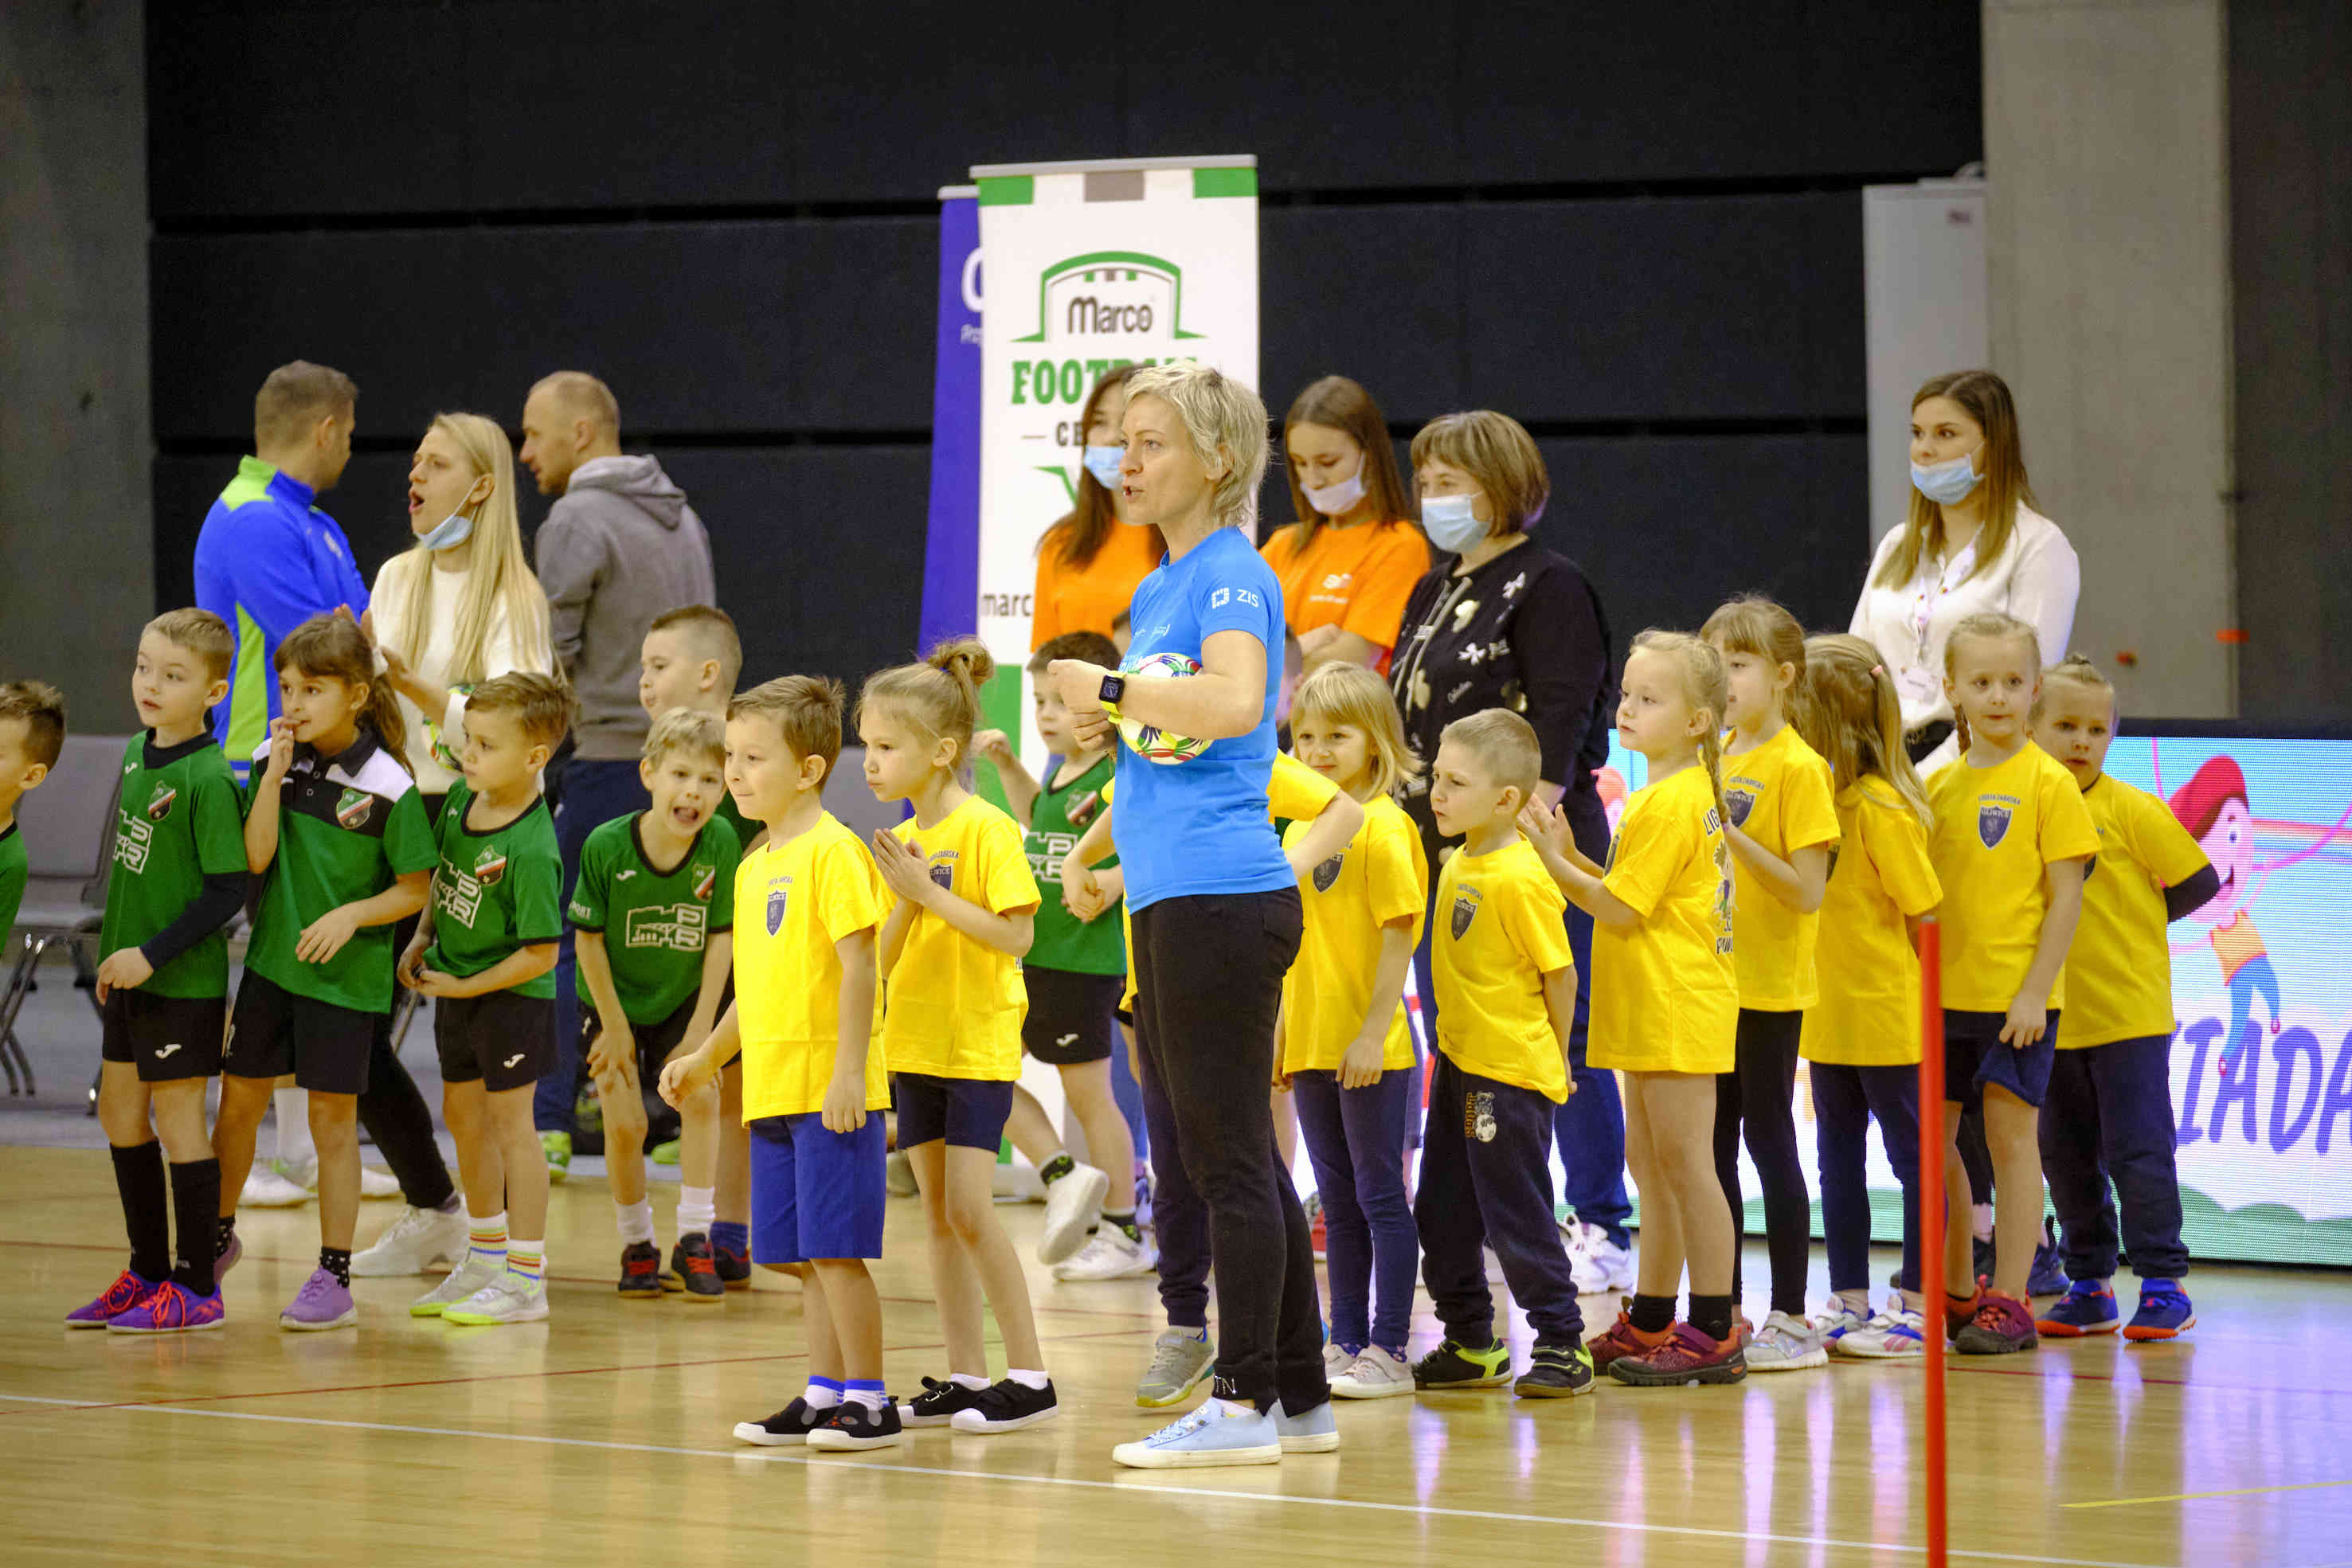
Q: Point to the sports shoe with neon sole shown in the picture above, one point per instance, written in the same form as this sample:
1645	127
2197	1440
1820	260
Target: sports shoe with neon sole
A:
128	1291
1180	1360
470	1275
1555	1372
2164	1311
2087	1308
557	1147
1217	1432
1456	1365
509	1299
173	1309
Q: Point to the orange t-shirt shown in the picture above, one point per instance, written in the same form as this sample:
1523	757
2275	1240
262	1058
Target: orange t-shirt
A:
1089	598
1355	579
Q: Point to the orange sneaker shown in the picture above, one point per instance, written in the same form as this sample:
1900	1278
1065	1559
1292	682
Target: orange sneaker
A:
1623	1338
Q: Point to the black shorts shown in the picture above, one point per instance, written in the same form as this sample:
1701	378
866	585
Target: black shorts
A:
169	1038
654	1042
504	1040
274	1032
1974	1056
968	1113
1070	1016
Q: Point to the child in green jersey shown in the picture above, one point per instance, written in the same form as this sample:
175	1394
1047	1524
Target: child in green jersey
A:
485	952
176	880
32	734
335	827
654	913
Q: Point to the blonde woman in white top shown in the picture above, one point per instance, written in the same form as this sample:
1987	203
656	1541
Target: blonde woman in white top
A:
1972	543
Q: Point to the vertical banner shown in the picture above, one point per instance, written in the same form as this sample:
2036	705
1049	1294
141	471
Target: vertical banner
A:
951	544
1091	265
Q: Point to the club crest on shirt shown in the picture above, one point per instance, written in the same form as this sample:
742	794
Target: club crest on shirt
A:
1328	872
491	866
354	809
1993	818
1081	807
1478	1115
776	909
705	881
943	874
1739	802
1466	909
159	804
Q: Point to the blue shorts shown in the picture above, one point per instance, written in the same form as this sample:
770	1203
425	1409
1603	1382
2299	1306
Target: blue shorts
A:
968	1113
1975	1055
815	1194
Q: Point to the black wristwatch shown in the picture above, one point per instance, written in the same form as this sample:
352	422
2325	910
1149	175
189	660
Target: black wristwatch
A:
1113	688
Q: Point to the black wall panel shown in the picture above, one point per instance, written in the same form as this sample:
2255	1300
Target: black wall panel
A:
1372	292
864	322
1891	85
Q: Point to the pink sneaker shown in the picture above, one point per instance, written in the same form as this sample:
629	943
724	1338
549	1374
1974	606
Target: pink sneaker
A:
128	1290
173	1309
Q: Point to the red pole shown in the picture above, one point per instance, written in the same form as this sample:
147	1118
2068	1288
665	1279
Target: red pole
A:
1931	1216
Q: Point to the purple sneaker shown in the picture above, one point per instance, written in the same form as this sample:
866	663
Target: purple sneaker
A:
173	1309
323	1303
227	1259
128	1291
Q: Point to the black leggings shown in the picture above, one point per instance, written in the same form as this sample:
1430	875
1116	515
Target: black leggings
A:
1208	972
392	1109
1760	1092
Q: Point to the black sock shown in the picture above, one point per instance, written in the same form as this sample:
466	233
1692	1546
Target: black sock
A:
138	1177
1653	1314
195	1200
1711	1315
1123	1219
337	1261
224	1232
1055	1169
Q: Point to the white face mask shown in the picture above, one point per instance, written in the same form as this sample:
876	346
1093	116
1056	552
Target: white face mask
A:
1450	522
1338	497
448	533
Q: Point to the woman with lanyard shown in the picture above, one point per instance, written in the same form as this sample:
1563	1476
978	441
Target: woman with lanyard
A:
1501	621
1972	542
1089	561
1350	562
1215	905
456	609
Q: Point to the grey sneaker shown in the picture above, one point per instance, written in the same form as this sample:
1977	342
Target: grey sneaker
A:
1785	1343
1179	1362
471	1275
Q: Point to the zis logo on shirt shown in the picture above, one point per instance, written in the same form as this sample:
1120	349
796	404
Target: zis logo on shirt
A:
1225	596
675	926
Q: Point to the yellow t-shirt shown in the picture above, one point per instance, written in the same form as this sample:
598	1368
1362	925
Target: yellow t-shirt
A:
1382	875
794	901
1996	828
1868	1014
956	1004
1664	995
1500	932
2119	970
1779	795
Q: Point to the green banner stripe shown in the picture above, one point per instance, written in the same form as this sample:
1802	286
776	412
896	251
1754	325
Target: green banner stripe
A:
1209	183
1001	702
1011	190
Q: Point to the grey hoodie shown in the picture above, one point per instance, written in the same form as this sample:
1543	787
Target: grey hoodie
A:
619	547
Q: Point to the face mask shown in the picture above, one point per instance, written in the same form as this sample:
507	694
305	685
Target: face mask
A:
1103	461
1945	482
1449	523
451	531
1339	497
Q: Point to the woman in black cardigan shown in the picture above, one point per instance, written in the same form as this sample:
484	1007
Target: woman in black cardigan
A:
1499	622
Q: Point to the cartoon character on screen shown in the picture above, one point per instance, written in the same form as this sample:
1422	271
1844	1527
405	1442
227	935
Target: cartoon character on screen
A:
2213	807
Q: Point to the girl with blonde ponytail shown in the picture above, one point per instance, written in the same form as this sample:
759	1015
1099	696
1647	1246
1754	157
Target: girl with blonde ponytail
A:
962	916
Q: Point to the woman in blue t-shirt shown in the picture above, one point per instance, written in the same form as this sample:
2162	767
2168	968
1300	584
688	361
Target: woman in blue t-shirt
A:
1215	903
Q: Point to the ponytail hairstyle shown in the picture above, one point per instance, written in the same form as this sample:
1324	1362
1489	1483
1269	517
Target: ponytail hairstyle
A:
333	645
1985	626
1341	693
1705	687
2000	464
2075	671
940	696
1848	711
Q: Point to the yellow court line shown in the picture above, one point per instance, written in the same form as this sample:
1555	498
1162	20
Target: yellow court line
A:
2193	1496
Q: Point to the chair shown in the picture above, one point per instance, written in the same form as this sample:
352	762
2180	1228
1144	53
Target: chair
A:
69	824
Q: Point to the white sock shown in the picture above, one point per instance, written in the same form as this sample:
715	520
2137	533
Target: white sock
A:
636	1222
294	1145
696	1208
966	1380
1858	1301
1026	1379
872	1398
822	1396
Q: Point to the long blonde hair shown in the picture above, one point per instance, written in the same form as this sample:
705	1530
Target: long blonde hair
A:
498	573
940	696
1342	692
1985	398
1706	686
1848	711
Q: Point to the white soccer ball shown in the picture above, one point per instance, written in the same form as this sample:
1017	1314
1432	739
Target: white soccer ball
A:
1149	742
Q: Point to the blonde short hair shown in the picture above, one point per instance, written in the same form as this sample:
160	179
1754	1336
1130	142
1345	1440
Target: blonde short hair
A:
1505	745
713	633
1498	454
687	729
201	632
540	705
1218	413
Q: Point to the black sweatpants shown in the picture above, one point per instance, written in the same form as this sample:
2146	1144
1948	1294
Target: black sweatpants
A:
1759	1094
1485	1181
392	1109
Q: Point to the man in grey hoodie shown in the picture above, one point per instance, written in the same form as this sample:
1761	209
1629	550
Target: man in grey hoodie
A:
619	547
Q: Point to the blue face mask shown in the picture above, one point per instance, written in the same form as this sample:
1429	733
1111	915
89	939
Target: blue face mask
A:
1945	482
1448	521
1103	461
450	532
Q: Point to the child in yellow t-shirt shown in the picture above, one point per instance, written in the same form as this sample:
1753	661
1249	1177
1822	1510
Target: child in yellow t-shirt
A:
1781	827
963	912
1346	1049
1665	1005
815	1083
2108	1113
1505	982
2011	839
1861	1041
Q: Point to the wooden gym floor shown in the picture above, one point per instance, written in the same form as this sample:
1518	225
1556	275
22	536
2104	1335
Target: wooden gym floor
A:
604	1435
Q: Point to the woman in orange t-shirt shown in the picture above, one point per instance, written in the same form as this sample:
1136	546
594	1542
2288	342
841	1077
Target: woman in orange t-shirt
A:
1349	563
1090	560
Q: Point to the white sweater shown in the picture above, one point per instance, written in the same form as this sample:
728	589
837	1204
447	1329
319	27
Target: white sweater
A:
388	604
2037	579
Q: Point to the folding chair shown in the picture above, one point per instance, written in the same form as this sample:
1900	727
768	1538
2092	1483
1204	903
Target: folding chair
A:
69	824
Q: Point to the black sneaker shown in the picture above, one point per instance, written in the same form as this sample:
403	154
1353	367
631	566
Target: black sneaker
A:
1555	1372
693	1272
790	1425
936	1405
851	1426
640	1272
734	1266
1453	1366
1007	1406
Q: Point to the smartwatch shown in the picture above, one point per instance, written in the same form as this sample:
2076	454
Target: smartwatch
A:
1114	688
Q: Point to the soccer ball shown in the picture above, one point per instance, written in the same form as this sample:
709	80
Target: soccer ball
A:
1156	744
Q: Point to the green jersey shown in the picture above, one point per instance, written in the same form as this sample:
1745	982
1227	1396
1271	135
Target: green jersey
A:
180	821
14	868
348	827
655	923
1056	822
495	893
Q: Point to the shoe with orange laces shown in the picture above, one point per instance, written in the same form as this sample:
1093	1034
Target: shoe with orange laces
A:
2003	1325
173	1309
128	1290
1687	1356
1623	1338
693	1272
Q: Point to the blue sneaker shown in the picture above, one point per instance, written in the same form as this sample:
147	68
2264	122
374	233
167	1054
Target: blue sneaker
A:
2088	1308
1217	1432
1315	1432
2164	1311
2047	1276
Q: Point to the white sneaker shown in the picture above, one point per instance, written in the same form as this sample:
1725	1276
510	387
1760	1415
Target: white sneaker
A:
270	1186
1337	1359
376	1184
465	1280
1839	1319
415	1238
509	1299
1072	1205
1786	1343
1597	1264
1376	1374
1109	1254
899	1175
1891	1336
